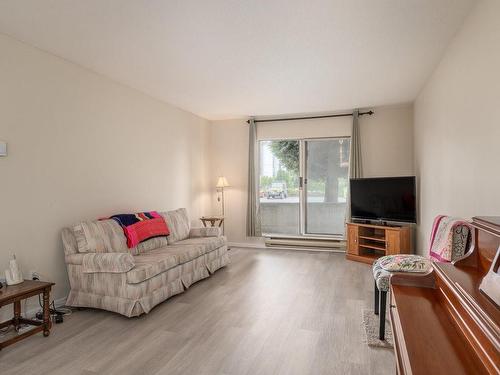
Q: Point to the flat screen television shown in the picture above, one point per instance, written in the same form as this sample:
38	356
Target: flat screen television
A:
384	199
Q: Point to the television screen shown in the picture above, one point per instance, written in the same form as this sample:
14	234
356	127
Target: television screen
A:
384	198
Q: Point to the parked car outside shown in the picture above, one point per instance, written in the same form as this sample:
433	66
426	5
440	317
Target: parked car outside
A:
277	190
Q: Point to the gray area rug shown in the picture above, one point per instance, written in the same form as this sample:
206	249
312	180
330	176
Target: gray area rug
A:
371	324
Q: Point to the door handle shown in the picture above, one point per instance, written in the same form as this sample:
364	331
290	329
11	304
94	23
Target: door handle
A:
302	182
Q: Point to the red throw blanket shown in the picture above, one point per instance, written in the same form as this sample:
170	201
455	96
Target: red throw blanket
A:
141	226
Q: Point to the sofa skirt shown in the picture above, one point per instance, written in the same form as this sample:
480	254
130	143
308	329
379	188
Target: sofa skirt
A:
217	259
136	299
125	306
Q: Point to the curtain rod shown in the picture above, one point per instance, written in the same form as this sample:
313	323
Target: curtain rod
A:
312	117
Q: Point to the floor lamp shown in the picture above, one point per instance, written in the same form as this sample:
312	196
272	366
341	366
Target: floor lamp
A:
221	184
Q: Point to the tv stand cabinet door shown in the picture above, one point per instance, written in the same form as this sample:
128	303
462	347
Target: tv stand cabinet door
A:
398	241
393	242
352	239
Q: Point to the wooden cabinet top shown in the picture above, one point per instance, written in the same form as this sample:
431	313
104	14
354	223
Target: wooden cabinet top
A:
382	227
26	287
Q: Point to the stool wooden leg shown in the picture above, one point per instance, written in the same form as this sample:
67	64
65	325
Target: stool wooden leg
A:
376	299
383	298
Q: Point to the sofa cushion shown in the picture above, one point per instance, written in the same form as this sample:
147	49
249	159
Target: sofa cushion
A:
148	245
106	236
178	223
208	243
107	262
185	253
151	264
157	261
205	232
100	236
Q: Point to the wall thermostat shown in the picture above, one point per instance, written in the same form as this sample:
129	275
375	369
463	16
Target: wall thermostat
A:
3	148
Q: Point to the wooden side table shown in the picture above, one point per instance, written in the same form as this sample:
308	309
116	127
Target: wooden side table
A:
15	294
213	220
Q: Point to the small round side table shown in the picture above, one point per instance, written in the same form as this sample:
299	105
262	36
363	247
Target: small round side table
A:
212	220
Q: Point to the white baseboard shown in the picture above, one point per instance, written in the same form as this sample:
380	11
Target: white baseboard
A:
249	244
309	249
296	248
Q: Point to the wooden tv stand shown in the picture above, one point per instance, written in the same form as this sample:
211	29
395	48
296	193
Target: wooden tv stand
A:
368	242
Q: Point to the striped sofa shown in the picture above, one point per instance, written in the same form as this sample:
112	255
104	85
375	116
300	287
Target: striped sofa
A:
105	274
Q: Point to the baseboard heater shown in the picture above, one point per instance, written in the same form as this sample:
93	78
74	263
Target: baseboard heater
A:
306	243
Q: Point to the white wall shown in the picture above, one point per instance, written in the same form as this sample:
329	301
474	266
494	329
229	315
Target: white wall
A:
229	151
457	125
82	147
386	140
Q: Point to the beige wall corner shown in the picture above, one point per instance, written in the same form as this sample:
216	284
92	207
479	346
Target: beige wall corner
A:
457	130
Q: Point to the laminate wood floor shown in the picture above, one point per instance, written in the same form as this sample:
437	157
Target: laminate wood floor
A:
269	312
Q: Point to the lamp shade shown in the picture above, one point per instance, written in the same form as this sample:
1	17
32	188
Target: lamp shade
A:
222	182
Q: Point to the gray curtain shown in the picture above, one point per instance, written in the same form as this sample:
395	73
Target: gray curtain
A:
355	164
253	209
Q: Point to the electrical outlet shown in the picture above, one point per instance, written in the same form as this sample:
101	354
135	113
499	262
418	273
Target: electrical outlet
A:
3	148
34	275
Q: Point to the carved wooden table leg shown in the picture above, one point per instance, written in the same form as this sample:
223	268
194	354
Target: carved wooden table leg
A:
16	321
46	312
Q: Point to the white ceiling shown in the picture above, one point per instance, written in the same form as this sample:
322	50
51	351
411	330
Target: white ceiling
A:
233	58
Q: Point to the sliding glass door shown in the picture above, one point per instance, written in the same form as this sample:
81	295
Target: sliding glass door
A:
325	185
303	186
279	187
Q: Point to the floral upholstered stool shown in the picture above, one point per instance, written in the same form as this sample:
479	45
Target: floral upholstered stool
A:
382	270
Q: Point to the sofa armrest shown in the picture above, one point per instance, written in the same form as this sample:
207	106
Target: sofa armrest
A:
107	262
205	232
75	259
